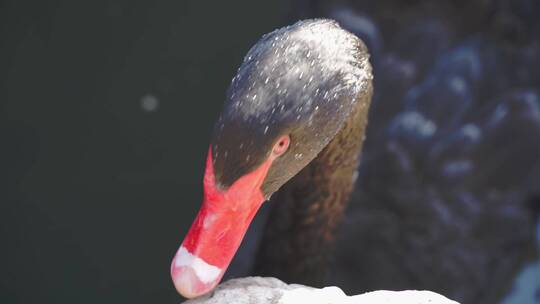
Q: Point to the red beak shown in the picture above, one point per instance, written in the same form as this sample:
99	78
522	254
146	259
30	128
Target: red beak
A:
218	230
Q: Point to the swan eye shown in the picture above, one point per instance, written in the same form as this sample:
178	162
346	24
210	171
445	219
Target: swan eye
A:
281	146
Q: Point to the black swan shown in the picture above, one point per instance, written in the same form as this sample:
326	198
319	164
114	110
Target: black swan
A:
294	120
298	103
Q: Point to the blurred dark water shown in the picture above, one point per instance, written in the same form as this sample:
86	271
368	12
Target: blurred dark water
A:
105	113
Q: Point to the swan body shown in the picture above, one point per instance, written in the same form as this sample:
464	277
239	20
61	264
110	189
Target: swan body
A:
449	175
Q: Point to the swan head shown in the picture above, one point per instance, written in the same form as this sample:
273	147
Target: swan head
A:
289	98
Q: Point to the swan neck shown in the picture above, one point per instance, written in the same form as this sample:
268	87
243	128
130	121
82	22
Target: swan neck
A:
306	212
